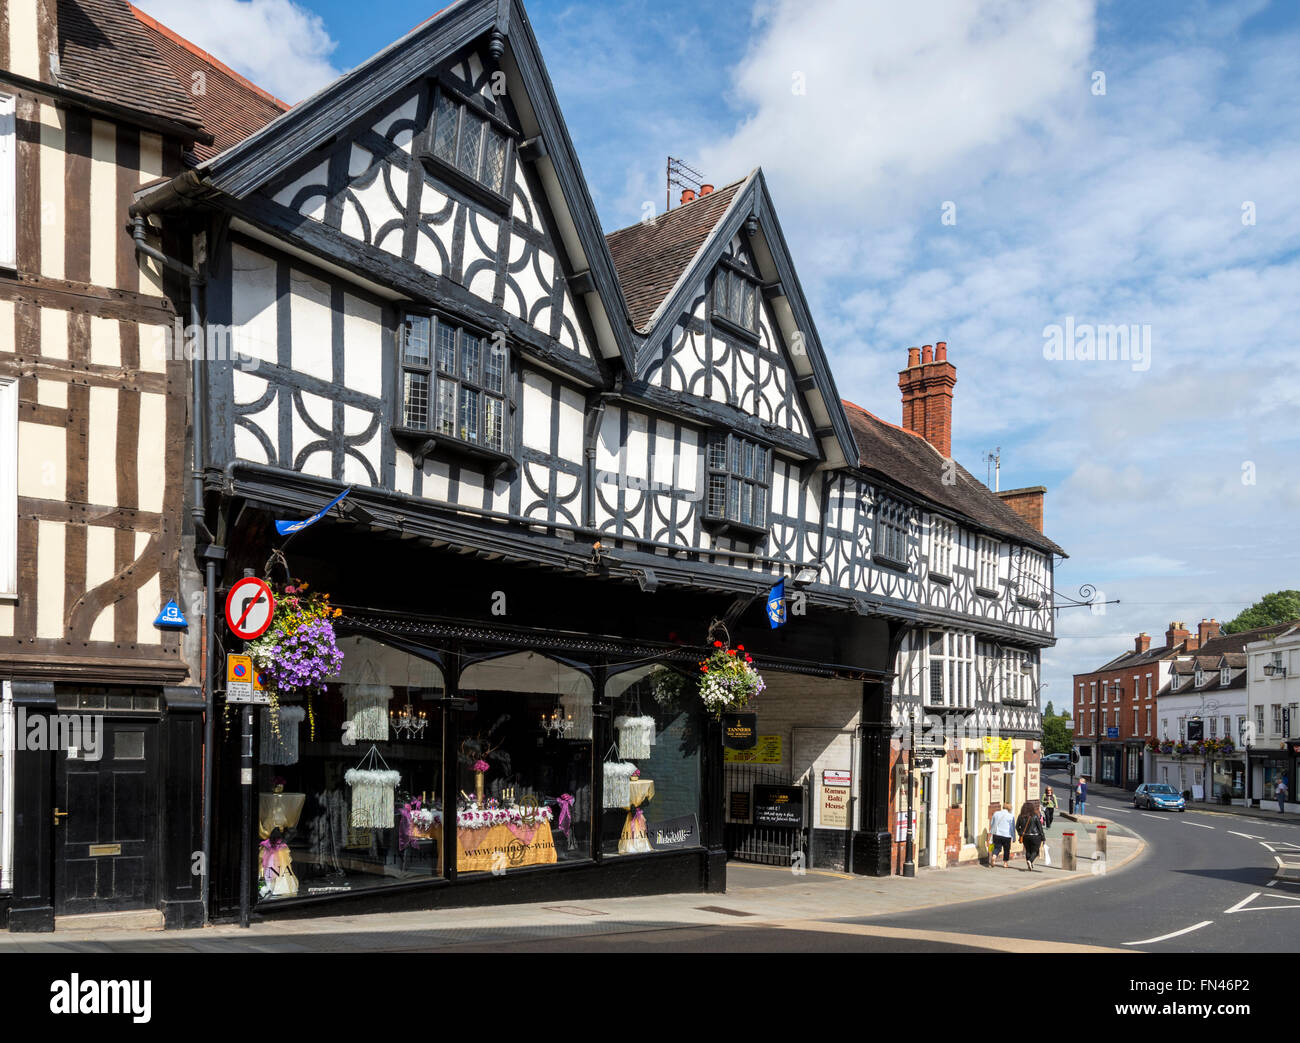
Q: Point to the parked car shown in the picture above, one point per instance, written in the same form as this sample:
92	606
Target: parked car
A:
1056	760
1158	796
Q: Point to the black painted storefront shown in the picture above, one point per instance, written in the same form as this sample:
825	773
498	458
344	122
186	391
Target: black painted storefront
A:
116	833
438	604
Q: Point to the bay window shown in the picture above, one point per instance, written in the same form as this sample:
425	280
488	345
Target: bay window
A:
739	474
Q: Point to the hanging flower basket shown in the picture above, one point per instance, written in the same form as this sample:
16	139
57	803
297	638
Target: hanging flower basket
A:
728	680
667	687
298	650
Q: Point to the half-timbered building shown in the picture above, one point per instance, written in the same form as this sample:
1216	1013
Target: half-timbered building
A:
572	461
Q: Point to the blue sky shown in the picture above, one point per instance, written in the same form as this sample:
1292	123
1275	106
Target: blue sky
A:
1163	197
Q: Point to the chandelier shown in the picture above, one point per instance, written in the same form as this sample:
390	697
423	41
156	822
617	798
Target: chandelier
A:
408	722
557	723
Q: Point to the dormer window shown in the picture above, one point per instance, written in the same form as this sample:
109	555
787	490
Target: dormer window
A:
454	383
739	474
1224	674
471	143
1200	677
735	299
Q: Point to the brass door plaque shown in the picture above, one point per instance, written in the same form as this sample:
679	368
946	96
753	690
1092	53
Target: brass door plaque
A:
105	849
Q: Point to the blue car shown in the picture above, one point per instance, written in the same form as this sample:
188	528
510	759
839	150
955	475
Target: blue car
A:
1158	796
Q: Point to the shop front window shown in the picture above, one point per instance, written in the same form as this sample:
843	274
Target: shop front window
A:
524	764
349	781
652	771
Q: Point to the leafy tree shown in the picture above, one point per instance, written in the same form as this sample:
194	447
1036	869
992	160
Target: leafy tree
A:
1058	737
1279	607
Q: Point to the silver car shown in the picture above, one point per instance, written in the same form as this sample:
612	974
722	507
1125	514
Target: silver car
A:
1158	796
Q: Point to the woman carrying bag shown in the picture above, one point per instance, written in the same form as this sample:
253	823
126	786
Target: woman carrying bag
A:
1029	826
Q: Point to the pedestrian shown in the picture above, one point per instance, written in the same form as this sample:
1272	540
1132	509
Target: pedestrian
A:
1280	793
1049	806
1081	794
1030	828
1002	829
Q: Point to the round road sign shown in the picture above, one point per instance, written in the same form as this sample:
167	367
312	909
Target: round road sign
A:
249	608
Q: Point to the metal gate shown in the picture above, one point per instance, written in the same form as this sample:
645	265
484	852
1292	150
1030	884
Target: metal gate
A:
746	842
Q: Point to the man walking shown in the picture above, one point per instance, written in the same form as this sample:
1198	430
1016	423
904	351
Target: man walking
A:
1081	794
1280	793
1002	829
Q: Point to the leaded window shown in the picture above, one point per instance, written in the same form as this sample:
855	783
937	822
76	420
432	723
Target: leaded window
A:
735	298
891	531
941	539
986	576
470	142
739	475
951	665
454	382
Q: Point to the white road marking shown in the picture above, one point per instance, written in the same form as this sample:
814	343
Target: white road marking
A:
1249	898
1248	836
1145	815
1265	908
1271	883
1199	825
1175	934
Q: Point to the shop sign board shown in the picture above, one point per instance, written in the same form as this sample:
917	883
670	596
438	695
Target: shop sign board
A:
837	777
1033	781
834	806
740	731
996	749
767	751
778	806
900	826
739	808
683	831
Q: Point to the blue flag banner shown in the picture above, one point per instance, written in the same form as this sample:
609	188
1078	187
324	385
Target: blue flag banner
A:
285	528
776	605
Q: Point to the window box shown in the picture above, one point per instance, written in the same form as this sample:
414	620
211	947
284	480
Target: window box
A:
1028	602
939	577
985	592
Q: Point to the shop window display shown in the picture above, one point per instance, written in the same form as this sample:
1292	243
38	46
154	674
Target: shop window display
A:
350	779
525	764
652	770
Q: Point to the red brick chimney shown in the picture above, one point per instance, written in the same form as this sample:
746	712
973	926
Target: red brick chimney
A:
1207	631
927	385
1142	642
1178	632
1027	503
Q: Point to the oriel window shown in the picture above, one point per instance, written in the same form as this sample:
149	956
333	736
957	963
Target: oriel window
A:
454	382
739	475
470	142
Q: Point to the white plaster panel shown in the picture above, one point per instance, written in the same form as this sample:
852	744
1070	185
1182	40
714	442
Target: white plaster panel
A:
311	326
253	304
363	345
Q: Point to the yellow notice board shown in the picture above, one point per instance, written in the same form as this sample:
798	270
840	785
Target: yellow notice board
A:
768	751
996	749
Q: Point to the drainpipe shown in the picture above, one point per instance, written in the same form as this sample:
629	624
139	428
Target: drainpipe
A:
212	553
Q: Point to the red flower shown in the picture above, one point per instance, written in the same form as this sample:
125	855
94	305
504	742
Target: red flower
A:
740	648
717	644
749	659
731	651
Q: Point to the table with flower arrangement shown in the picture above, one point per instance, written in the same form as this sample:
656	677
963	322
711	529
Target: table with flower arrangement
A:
493	836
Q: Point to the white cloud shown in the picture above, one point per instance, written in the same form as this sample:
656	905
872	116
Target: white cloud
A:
281	46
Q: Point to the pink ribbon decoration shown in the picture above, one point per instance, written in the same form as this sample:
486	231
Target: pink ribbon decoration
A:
404	829
269	851
565	824
639	819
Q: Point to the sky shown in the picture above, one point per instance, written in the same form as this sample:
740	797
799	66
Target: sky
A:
996	174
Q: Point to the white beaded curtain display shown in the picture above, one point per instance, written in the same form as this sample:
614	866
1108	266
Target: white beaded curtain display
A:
618	784
635	736
373	801
282	748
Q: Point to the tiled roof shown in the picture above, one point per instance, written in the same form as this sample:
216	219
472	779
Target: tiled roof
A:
1135	658
106	53
649	258
908	460
230	106
1237	642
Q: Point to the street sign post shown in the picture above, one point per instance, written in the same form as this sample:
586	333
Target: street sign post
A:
249	608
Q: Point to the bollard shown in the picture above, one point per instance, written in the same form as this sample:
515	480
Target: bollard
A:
1101	839
1069	852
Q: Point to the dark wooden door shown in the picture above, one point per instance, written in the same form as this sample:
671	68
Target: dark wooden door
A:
106	847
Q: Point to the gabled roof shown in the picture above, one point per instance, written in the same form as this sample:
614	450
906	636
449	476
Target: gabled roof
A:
670	278
242	169
1133	658
651	256
230	106
908	460
107	54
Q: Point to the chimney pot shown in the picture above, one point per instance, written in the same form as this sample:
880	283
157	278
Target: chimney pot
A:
940	351
913	357
926	356
688	195
705	189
